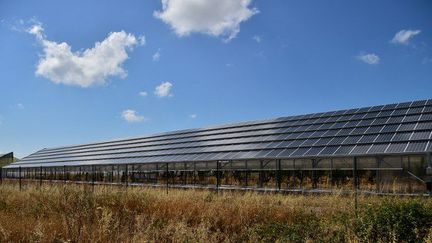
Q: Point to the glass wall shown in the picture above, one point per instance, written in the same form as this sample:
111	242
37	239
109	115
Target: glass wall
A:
383	174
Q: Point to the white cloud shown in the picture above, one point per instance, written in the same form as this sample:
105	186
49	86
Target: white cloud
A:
156	56
143	93
211	17
404	36
256	38
193	116
20	106
370	58
163	90
132	116
91	66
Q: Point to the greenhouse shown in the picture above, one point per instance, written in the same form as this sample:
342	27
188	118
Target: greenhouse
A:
378	149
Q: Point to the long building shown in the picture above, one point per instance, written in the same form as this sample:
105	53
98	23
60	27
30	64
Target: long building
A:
385	148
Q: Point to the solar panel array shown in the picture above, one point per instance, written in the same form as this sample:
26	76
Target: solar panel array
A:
387	129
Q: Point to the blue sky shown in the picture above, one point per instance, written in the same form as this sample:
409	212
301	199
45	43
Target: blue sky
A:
214	61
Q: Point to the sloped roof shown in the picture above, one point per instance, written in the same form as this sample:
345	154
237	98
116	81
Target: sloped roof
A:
402	128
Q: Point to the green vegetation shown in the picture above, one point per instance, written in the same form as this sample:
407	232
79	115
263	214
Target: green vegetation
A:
6	159
71	213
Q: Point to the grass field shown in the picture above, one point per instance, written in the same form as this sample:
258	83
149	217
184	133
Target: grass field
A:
57	213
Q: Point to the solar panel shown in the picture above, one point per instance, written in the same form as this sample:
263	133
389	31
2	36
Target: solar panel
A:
416	147
310	142
352	140
424	126
396	147
336	140
371	115
360	149
338	125
420	135
367	138
390	128
418	103
380	121
314	151
300	152
429	148
411	118
407	127
374	129
395	119
385	113
274	153
378	148
323	141
286	153
385	137
329	150
404	105
415	110
426	117
359	130
344	149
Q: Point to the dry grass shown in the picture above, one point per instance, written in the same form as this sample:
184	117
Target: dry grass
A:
71	213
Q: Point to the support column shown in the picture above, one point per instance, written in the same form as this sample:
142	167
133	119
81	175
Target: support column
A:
279	176
112	173
429	163
195	172
167	178
355	176
92	176
217	176
429	173
314	180
185	174
247	173
126	175
40	177
331	174
64	174
20	182
261	183
377	175
133	174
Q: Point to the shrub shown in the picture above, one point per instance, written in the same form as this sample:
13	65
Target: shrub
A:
304	226
394	221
